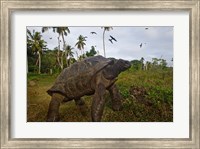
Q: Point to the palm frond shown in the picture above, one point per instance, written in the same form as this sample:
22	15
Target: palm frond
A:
29	34
44	29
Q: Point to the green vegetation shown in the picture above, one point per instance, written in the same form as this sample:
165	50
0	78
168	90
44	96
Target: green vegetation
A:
51	61
147	97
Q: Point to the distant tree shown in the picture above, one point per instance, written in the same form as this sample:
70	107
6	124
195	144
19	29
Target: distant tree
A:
72	60
163	63
36	44
30	54
155	62
49	61
61	31
80	44
159	63
172	61
68	54
104	31
92	52
136	64
147	65
142	63
82	57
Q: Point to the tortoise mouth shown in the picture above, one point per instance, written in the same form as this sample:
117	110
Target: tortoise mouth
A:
126	64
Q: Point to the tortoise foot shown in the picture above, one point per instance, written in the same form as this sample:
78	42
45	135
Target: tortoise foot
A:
53	118
117	107
83	110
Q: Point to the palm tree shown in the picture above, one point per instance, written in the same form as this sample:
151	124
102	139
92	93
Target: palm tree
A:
68	54
104	31
155	62
62	31
37	45
29	48
147	65
80	44
142	63
163	63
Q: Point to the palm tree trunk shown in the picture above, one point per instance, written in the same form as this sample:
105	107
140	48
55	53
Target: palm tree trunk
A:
104	43
80	57
64	45
36	63
39	58
77	55
63	40
66	62
61	59
69	62
83	51
58	53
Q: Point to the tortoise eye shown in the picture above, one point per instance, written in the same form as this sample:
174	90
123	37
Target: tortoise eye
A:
111	62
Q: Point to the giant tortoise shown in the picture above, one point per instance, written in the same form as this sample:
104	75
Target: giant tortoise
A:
91	76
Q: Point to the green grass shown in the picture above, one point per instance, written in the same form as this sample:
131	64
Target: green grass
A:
147	97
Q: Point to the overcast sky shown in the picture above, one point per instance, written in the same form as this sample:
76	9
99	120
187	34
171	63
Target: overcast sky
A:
157	42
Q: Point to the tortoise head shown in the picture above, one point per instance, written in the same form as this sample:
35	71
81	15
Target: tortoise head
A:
123	64
115	67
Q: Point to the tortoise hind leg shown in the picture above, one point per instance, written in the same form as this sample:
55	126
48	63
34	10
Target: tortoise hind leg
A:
79	101
115	97
81	106
98	103
53	112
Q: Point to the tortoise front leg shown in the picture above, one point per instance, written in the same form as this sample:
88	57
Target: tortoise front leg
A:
53	112
116	98
98	103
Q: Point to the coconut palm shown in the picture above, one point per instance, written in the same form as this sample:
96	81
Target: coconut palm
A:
104	31
68	54
37	45
29	48
80	44
62	31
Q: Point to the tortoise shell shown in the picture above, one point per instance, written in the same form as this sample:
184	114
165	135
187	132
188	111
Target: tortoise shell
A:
75	81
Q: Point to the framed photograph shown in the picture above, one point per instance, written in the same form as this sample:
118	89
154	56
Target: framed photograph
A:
100	74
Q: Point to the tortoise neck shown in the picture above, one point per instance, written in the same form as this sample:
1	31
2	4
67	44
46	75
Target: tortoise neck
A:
112	72
116	69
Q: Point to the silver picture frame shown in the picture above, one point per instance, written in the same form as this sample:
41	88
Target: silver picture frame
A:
8	7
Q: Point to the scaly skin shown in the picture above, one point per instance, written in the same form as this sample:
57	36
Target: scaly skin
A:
98	103
116	98
53	112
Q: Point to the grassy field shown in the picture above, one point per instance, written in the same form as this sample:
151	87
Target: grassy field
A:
147	97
